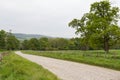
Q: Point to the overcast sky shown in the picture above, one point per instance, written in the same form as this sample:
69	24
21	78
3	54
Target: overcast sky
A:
45	17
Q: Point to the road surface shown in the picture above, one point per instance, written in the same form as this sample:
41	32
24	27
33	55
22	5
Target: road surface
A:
67	70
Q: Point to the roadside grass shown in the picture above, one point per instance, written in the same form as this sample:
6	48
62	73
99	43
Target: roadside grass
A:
14	67
93	57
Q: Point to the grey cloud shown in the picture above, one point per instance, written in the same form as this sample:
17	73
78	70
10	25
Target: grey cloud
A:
47	17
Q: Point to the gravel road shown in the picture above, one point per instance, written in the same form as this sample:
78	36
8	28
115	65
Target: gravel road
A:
67	70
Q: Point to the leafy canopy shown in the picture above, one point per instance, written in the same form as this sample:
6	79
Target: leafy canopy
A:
98	26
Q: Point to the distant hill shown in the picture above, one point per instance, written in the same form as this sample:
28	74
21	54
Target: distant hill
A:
22	36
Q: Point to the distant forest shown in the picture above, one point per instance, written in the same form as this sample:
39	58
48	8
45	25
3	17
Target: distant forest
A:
8	41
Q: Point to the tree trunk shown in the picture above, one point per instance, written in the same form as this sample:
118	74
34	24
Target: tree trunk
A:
106	44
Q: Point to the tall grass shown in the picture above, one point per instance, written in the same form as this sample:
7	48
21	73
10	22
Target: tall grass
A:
98	58
14	67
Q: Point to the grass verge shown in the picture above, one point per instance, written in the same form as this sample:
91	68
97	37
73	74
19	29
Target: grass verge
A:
98	58
14	67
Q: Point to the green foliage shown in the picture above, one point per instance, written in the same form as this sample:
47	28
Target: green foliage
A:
46	44
15	67
2	39
99	26
12	43
59	43
65	44
33	44
25	45
43	42
71	44
8	41
97	57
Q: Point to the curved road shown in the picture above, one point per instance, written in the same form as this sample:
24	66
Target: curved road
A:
67	70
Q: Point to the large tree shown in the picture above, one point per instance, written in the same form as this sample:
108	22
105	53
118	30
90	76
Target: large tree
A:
99	26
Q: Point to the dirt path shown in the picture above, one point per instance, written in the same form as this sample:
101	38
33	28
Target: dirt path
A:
67	70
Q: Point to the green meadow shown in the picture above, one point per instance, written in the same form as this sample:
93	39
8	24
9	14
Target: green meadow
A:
14	67
93	57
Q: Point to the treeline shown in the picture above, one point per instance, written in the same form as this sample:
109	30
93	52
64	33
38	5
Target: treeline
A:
9	42
51	44
62	44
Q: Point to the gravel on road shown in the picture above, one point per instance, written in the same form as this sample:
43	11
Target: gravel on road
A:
67	70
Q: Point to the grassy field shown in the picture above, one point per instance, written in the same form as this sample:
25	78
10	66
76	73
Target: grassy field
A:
14	67
98	57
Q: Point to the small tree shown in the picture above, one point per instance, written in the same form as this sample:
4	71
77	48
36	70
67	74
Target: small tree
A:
98	26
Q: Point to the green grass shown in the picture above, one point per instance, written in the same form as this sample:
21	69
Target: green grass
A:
14	67
98	57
